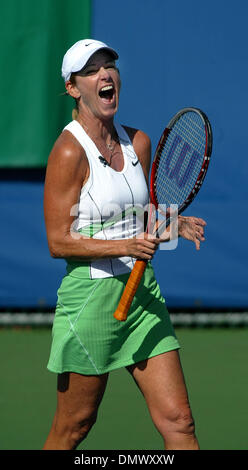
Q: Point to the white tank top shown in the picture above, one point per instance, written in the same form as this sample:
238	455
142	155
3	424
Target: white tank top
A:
110	199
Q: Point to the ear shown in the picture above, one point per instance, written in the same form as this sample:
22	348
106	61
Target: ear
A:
72	90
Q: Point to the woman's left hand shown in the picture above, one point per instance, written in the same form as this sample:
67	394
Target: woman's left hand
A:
192	228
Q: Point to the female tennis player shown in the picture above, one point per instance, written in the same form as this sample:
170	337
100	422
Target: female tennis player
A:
98	169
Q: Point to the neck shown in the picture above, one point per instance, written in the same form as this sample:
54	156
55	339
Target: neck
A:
103	134
99	129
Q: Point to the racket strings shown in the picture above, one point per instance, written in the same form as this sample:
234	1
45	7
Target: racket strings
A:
195	138
181	159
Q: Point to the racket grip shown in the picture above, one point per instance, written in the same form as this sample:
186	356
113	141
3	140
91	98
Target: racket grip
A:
130	290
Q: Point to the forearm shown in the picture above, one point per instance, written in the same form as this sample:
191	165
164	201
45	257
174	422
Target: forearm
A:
82	248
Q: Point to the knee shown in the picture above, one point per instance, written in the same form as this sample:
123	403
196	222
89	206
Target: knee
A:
74	428
178	420
183	421
80	427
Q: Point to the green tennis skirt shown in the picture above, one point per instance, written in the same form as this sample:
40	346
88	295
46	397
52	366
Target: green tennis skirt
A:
87	339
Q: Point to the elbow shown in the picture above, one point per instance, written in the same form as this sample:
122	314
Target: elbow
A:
56	250
55	254
62	246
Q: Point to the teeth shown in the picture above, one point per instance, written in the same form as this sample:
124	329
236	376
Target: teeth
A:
107	87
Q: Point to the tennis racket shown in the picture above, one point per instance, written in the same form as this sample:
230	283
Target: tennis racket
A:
180	164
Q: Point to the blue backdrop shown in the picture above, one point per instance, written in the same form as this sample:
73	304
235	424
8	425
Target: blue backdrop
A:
172	55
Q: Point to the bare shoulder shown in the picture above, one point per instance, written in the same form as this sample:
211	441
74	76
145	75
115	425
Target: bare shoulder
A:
66	150
140	140
67	158
142	146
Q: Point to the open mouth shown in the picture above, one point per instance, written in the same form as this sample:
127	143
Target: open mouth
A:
107	92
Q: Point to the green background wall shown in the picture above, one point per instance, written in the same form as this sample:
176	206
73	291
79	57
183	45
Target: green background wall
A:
34	37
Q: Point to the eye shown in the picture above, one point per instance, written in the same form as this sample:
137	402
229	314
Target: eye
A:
90	71
93	70
111	66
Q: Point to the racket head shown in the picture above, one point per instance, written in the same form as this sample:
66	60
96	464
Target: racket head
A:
181	160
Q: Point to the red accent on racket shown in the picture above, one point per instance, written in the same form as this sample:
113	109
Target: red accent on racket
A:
178	170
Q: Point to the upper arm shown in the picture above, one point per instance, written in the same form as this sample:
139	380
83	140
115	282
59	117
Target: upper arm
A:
66	171
142	146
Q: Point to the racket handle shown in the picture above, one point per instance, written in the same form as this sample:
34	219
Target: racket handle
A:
130	290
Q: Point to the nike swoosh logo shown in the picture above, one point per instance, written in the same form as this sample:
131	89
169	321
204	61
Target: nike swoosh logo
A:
136	163
88	44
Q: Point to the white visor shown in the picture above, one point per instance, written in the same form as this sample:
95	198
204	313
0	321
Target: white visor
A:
78	55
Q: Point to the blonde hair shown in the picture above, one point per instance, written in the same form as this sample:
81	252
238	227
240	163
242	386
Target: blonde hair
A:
75	110
74	113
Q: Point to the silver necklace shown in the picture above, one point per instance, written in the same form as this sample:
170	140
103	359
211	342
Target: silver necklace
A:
110	147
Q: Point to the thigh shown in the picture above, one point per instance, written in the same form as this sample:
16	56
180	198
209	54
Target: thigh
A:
79	394
162	383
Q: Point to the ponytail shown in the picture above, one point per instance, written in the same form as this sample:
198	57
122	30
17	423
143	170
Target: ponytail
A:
74	113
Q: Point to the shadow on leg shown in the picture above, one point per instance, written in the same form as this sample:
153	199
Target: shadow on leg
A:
78	400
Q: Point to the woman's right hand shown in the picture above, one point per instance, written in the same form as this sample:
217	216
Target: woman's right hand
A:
143	246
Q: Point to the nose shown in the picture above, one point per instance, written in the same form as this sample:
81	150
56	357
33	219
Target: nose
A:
104	73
